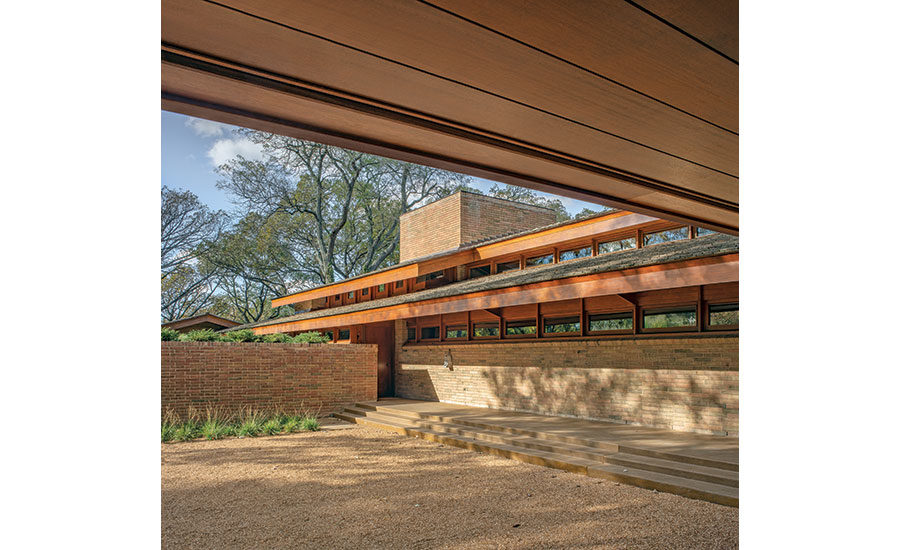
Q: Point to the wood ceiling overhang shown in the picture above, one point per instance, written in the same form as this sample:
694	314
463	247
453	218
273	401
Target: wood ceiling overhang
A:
633	104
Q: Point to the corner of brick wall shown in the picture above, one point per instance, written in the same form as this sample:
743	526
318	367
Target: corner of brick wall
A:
229	376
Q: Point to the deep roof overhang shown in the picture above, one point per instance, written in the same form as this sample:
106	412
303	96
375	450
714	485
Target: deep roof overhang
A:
633	104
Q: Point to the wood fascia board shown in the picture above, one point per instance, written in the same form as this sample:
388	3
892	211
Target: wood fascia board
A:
579	230
375	279
719	269
227	323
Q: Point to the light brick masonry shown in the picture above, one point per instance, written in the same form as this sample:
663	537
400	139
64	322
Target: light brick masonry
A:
680	383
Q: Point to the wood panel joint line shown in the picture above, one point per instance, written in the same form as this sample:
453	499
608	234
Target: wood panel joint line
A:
459	83
682	31
576	65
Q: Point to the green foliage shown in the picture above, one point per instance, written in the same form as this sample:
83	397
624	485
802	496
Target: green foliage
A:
278	338
205	335
187	431
168	431
272	426
310	338
310	423
290	424
243	335
215	429
169	334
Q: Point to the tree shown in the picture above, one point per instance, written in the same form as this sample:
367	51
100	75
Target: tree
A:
187	226
342	207
528	196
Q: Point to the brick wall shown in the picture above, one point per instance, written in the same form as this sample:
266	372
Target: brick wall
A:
680	383
432	228
464	217
231	375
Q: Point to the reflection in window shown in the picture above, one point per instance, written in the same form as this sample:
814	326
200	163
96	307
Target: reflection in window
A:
575	253
562	325
507	266
486	330
398	284
666	236
723	315
380	288
365	292
521	328
539	260
670	318
457	331
615	246
344	334
350	295
479	271
410	334
330	334
611	321
701	231
429	276
431	333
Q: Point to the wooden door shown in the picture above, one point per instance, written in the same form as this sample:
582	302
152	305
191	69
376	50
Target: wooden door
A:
382	334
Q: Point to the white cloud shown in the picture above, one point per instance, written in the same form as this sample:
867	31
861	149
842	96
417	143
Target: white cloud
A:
226	149
207	128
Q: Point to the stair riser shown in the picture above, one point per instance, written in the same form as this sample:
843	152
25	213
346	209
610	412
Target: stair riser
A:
664	487
681	458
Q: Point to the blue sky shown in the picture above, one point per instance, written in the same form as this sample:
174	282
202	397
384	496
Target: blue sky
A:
193	147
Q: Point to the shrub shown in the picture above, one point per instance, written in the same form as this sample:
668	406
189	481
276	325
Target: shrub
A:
291	424
250	422
272	426
169	334
243	335
310	423
278	338
187	431
205	335
169	424
215	429
311	338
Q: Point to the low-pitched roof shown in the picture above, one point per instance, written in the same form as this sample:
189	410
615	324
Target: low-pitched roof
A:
675	251
201	319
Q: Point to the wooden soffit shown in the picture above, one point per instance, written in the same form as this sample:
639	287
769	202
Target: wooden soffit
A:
632	104
705	271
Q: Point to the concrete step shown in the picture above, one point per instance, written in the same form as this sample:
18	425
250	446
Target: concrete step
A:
603	445
493	443
680	469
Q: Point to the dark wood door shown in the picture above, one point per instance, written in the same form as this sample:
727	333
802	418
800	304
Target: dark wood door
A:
382	334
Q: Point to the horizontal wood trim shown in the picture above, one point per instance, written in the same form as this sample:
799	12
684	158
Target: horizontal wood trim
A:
386	277
703	271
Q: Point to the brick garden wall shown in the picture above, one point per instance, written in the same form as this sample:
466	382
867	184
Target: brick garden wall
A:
680	383
231	375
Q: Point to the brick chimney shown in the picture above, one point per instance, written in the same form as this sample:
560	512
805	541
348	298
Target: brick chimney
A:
464	217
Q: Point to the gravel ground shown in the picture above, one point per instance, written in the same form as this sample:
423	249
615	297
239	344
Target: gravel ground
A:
355	487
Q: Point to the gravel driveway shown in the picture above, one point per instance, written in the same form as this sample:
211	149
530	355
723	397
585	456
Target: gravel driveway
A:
355	487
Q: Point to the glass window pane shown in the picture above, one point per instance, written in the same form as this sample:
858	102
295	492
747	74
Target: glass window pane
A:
350	295
328	334
670	318
575	253
615	246
398	284
479	271
666	236
483	330
460	331
518	328
539	260
611	321
365	292
507	266
701	231
380	288
344	334
723	314
431	333
562	325
410	334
